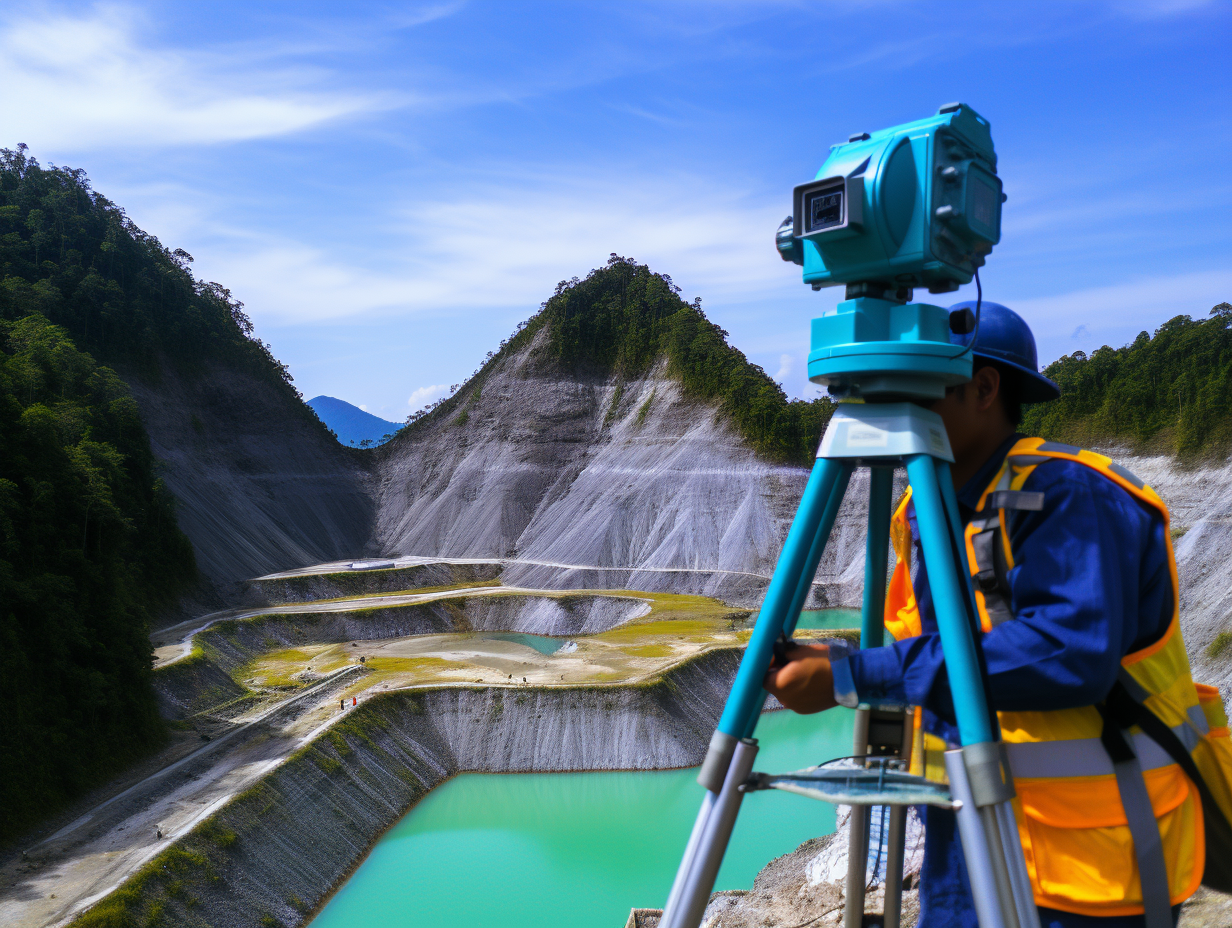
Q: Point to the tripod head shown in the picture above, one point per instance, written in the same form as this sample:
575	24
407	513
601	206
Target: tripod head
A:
916	205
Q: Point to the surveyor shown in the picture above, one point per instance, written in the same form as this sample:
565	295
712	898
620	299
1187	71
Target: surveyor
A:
1077	591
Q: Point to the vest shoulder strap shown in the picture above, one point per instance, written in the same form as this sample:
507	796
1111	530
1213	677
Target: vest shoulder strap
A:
1029	453
990	546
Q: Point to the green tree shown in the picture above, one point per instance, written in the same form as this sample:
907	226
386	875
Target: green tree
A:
1173	389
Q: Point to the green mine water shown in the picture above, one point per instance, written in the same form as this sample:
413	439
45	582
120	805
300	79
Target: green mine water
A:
541	643
575	850
829	618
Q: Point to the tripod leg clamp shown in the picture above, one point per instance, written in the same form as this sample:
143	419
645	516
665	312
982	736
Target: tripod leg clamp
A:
718	759
988	773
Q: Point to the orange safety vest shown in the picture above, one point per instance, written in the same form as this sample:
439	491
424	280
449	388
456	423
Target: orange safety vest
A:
1073	820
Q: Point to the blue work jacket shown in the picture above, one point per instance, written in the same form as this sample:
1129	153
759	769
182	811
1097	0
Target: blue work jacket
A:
1091	583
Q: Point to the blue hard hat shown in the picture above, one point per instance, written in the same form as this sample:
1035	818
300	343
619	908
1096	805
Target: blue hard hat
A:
1005	337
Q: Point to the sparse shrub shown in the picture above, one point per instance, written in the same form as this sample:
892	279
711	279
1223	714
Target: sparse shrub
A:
1219	645
327	764
645	409
217	833
612	410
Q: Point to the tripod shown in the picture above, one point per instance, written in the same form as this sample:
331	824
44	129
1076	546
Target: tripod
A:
880	436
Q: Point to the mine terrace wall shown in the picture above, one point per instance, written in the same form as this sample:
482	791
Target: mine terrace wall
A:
276	851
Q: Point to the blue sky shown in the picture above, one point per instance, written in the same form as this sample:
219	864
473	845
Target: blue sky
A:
391	187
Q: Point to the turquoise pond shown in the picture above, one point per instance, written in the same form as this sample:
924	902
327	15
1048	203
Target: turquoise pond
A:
541	643
829	618
575	850
814	619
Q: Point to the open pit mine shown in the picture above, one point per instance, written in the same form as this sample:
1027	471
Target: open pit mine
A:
552	572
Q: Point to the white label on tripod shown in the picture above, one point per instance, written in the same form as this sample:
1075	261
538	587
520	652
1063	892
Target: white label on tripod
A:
861	435
937	440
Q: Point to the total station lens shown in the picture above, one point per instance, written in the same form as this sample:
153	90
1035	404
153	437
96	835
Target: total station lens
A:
825	209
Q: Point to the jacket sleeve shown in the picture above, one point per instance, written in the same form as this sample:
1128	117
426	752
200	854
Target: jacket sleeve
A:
1091	583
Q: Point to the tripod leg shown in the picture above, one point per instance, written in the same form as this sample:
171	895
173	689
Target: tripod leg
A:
805	584
857	842
895	851
979	823
872	633
1000	823
876	554
794	572
695	893
975	723
746	697
807	575
690	852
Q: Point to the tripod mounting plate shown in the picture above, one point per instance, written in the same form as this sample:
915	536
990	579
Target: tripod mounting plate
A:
884	432
876	347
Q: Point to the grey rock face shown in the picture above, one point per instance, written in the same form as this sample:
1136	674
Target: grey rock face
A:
1200	502
259	487
543	615
601	484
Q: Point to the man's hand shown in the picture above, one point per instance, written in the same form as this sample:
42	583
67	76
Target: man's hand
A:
804	683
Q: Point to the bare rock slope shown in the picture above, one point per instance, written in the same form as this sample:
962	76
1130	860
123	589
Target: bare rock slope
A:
567	474
259	485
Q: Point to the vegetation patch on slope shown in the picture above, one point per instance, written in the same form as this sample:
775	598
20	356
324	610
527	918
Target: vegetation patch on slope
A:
1171	391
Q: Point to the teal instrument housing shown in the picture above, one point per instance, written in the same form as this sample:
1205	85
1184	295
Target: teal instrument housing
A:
918	205
873	347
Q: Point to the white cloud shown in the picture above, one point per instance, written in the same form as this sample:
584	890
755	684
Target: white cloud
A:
422	396
785	365
93	80
507	243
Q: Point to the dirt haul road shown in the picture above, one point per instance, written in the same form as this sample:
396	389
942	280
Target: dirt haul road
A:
90	856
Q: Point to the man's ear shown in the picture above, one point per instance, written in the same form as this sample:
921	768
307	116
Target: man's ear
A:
987	381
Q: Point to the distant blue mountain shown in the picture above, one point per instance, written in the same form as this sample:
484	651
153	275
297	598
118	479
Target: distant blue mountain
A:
350	423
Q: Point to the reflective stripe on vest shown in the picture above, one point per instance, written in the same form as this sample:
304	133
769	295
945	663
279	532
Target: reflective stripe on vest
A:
1086	757
1078	812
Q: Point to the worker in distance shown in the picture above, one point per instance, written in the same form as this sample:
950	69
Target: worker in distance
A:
1076	586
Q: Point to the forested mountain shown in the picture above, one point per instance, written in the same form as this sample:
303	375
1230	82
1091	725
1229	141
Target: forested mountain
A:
1172	390
89	548
70	254
624	317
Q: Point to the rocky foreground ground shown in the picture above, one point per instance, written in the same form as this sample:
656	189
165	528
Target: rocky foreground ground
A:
804	889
